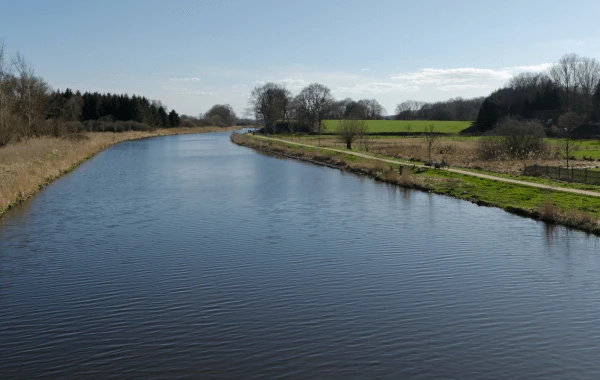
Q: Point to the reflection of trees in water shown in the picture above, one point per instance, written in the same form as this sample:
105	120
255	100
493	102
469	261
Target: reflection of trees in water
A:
557	234
393	189
564	244
406	192
549	233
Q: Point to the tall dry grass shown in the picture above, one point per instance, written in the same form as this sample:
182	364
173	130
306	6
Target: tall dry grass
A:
29	165
584	220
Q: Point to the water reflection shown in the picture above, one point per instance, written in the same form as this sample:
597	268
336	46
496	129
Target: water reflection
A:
187	256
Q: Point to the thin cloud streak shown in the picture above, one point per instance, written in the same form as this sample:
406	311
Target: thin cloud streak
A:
462	87
457	75
376	88
186	79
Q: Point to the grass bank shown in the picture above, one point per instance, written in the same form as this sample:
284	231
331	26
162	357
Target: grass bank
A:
572	210
30	165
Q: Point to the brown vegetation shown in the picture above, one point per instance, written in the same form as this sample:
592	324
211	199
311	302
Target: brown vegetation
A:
348	130
586	221
514	139
459	152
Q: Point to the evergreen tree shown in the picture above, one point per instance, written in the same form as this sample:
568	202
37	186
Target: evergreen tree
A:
174	119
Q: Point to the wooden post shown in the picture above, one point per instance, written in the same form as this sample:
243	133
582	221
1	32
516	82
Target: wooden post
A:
547	171
585	174
572	178
559	172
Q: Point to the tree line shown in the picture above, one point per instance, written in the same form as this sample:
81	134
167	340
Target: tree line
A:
273	106
30	108
452	109
572	85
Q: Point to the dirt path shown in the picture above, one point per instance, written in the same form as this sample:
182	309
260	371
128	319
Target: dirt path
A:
458	171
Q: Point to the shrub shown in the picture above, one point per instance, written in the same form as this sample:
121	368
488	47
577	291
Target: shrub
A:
513	139
549	212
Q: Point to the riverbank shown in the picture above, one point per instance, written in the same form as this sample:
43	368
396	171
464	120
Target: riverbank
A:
570	209
30	165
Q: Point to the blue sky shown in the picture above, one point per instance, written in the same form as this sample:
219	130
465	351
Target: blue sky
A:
193	54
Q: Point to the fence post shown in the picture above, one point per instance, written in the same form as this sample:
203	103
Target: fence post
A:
585	174
572	178
559	172
547	171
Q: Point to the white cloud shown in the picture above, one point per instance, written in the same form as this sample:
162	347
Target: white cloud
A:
185	91
186	79
461	87
293	83
458	75
376	88
364	69
536	68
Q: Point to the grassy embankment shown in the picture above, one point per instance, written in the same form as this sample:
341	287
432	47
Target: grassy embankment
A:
29	165
573	210
404	126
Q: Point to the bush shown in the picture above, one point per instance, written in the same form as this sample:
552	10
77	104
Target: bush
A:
513	139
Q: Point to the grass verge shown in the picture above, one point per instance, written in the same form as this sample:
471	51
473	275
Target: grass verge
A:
28	166
572	210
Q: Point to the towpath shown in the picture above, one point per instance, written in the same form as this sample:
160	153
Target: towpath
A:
458	171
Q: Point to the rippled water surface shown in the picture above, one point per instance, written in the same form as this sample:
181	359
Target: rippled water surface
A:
190	257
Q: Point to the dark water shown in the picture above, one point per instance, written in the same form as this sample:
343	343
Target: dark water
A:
190	257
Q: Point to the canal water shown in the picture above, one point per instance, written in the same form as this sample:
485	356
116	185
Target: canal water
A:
191	257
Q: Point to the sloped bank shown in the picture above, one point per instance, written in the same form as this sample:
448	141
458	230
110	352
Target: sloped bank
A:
571	210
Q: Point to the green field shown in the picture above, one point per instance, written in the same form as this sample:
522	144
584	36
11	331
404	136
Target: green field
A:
580	148
379	126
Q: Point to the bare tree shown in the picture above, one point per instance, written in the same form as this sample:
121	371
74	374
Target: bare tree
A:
74	108
289	110
408	109
31	91
267	103
373	110
564	75
221	115
338	108
349	130
567	124
430	138
588	77
314	103
7	130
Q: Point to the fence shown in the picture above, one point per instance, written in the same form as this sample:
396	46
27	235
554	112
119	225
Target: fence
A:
571	174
